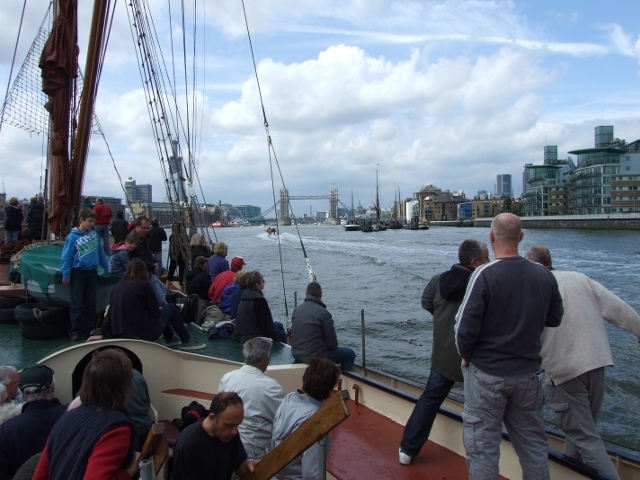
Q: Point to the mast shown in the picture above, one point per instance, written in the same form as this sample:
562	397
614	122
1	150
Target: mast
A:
93	67
377	198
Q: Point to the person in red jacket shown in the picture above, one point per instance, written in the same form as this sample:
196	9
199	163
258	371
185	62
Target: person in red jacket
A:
225	278
103	221
95	440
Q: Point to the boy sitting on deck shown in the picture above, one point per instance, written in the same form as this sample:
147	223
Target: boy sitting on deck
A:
81	255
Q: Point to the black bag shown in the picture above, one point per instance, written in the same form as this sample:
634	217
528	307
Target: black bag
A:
190	309
190	414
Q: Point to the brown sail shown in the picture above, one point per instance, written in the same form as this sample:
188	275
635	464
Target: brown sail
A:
59	65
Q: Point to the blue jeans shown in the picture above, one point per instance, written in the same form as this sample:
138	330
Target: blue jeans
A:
159	289
490	400
103	233
344	356
11	235
84	285
158	258
418	428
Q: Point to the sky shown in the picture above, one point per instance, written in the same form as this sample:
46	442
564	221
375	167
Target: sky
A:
444	93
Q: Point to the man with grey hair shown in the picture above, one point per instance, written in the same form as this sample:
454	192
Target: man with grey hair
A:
441	297
23	436
261	394
574	356
9	377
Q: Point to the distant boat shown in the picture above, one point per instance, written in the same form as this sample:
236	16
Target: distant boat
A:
351	226
220	225
378	226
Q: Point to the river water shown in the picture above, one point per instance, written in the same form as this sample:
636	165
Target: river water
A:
384	274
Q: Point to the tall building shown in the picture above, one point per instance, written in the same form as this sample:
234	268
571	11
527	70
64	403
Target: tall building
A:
137	193
545	186
503	185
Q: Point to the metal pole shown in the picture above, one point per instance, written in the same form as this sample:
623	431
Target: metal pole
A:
364	357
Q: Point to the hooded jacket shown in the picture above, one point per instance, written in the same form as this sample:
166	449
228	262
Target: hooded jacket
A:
82	250
13	218
198	282
442	297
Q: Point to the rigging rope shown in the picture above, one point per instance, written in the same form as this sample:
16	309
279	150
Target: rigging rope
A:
271	149
13	61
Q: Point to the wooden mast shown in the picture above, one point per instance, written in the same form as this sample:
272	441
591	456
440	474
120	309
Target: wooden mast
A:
87	102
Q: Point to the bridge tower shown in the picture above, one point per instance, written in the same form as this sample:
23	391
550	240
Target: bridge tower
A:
284	207
333	205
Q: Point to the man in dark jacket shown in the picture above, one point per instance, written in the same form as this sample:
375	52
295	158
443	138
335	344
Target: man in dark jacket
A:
441	297
313	333
119	228
507	305
157	235
35	218
26	434
13	218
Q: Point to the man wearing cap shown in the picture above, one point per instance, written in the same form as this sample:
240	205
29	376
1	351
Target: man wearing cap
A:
225	278
103	220
23	436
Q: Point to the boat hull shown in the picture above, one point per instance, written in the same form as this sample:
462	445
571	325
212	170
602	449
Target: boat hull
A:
175	378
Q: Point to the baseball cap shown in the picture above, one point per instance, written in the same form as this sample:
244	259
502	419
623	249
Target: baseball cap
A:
35	379
238	261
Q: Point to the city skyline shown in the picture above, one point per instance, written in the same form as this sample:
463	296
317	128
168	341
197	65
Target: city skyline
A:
449	93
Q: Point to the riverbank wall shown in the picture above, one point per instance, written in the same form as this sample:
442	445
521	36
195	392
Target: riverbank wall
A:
621	221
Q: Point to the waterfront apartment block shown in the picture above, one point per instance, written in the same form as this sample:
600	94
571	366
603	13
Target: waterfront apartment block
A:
437	204
603	180
545	186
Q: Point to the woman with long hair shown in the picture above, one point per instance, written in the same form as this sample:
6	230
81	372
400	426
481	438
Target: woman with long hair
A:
96	439
134	311
254	318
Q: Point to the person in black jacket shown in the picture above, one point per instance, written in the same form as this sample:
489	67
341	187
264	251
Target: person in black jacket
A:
26	434
199	247
13	218
35	218
157	235
119	228
198	281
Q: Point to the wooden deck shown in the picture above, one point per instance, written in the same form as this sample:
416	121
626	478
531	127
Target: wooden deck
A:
365	446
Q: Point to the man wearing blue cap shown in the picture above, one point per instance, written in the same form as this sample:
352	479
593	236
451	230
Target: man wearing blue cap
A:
24	435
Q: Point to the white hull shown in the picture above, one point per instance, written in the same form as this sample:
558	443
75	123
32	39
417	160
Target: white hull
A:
392	397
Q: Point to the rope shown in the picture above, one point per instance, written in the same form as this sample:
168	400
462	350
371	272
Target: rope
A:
13	61
271	149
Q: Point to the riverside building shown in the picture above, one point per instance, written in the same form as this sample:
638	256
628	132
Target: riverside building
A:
604	179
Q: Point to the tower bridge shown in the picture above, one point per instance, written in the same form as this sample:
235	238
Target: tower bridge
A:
285	198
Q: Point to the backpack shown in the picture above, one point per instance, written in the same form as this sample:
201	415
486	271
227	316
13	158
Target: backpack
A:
190	309
190	414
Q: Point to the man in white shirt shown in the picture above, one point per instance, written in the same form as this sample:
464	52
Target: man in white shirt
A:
261	395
